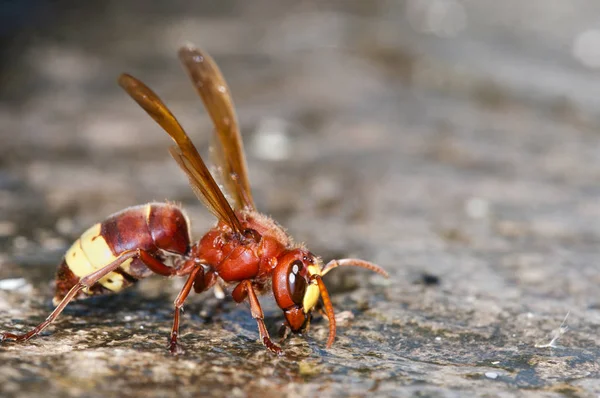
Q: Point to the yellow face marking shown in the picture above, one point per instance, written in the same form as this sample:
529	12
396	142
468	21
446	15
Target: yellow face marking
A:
311	296
313	270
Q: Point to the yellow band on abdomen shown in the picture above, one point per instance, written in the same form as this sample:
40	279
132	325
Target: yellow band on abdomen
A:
90	253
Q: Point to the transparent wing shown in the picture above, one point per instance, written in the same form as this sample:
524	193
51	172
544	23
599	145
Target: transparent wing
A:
185	153
229	151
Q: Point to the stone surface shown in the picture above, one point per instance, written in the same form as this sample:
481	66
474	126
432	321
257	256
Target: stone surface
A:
454	143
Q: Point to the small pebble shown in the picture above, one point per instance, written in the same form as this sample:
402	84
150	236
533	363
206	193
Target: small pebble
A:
13	283
491	375
428	279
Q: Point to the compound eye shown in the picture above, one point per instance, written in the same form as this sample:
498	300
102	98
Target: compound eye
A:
296	282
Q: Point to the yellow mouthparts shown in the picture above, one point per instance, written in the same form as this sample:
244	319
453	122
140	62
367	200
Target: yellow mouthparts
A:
311	296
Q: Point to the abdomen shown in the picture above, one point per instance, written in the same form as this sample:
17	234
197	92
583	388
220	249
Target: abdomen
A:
151	227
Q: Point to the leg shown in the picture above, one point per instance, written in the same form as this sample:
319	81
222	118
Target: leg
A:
85	282
185	291
204	280
245	290
155	265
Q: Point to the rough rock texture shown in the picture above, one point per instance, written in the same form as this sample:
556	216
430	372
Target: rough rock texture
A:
454	143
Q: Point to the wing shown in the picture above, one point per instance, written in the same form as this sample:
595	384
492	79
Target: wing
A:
185	153
210	84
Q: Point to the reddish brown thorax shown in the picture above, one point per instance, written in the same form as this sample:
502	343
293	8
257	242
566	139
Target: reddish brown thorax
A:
236	257
264	253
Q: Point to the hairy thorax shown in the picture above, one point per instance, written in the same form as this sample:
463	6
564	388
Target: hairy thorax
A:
252	256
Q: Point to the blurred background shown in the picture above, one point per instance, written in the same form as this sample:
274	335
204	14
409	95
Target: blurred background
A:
451	139
383	90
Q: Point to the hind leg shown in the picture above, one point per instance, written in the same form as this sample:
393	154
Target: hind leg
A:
85	282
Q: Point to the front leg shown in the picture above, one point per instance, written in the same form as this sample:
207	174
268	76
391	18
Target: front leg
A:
245	290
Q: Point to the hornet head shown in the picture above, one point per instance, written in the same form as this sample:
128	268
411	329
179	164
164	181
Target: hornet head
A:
297	285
